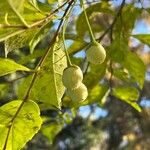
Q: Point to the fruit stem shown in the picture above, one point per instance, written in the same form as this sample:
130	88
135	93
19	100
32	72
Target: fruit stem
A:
63	34
88	23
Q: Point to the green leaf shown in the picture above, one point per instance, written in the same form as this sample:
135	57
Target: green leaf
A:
135	106
9	66
128	94
144	38
18	4
35	3
28	12
104	98
136	67
98	94
8	33
3	90
117	50
121	74
81	25
8	10
39	35
49	79
19	40
94	74
29	58
126	22
51	130
25	125
76	46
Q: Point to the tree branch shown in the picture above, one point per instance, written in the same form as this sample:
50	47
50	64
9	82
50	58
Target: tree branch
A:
114	21
36	73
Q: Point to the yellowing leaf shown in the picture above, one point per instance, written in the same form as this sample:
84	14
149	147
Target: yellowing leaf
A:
9	66
23	128
128	95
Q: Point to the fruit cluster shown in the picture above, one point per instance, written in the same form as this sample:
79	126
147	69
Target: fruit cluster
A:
72	80
72	76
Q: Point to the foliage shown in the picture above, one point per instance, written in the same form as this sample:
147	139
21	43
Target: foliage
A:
35	50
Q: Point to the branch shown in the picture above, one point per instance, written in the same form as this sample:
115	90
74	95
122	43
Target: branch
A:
114	21
36	73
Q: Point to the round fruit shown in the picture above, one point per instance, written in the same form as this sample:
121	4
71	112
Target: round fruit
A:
96	53
72	77
79	94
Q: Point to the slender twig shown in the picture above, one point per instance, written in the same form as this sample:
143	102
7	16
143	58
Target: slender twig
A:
114	21
36	73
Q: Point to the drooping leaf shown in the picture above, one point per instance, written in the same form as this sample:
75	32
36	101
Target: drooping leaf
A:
136	67
49	79
9	66
144	38
127	94
25	125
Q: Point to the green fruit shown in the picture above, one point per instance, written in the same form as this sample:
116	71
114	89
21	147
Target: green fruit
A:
72	77
96	54
78	94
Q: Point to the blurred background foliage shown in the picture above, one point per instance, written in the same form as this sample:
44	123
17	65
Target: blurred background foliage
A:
109	118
